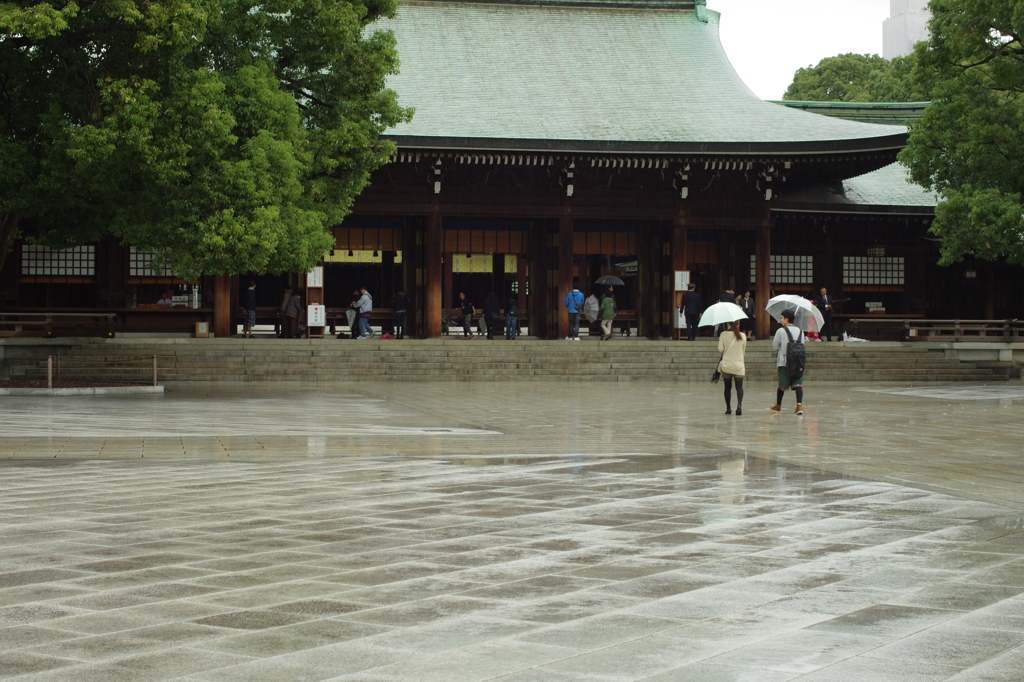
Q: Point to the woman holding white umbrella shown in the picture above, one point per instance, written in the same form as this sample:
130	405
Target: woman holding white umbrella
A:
732	344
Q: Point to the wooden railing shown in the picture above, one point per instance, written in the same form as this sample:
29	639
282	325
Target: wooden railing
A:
46	324
918	329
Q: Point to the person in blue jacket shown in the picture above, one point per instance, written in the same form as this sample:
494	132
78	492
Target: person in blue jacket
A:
574	304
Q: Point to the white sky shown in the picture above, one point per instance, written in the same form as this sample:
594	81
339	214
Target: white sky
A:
768	40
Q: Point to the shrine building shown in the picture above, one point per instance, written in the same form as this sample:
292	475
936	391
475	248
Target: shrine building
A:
556	141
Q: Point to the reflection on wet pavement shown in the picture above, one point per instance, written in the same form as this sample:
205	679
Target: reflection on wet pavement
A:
476	551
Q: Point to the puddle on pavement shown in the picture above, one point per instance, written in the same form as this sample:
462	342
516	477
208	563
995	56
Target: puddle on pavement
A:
729	466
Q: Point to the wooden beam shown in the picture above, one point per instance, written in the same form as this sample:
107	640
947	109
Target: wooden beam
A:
435	235
764	286
222	306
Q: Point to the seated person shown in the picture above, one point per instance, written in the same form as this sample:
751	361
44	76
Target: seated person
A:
167	299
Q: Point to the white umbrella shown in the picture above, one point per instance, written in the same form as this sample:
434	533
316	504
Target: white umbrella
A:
808	318
721	313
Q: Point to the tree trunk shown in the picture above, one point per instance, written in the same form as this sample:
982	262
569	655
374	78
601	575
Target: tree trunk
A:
8	226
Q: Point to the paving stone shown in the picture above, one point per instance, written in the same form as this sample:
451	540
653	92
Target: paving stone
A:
645	538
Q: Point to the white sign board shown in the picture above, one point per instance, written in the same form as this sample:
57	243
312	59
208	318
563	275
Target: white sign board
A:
315	277
682	280
316	316
680	319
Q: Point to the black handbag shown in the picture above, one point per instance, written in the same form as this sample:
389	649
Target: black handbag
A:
718	374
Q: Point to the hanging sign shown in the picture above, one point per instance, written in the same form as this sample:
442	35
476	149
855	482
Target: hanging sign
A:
315	277
316	316
682	280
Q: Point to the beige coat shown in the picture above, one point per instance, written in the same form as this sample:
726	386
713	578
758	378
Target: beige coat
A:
732	353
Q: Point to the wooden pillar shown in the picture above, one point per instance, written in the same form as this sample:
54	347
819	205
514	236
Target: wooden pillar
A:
447	275
565	230
222	306
498	277
412	274
435	237
387	279
538	275
680	259
522	275
648	273
764	286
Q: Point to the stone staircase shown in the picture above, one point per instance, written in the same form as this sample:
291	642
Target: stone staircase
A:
332	360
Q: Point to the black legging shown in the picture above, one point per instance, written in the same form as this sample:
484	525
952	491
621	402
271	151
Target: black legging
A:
728	393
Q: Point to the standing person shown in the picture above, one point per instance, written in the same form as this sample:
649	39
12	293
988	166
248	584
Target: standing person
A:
492	311
365	309
574	304
780	343
749	305
511	318
292	312
467	316
732	344
727	296
284	305
400	303
690	309
250	309
353	315
608	310
824	303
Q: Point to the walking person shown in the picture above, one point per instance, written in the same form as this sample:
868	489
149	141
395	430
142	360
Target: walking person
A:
365	309
400	303
292	313
732	344
608	310
690	309
492	311
824	304
250	310
574	304
284	304
783	337
749	305
467	316
511	319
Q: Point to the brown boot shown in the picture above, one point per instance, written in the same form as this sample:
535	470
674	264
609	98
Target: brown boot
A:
776	408
799	408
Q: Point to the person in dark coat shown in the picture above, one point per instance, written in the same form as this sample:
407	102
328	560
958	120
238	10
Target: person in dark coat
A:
728	296
250	310
400	303
467	316
749	305
492	311
824	303
690	309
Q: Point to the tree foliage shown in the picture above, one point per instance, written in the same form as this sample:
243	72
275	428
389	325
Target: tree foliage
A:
968	144
229	133
855	78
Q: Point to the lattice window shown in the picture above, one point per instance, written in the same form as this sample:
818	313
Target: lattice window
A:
140	265
786	269
873	270
78	261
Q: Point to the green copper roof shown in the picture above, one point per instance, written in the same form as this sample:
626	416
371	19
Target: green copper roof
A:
554	77
887	187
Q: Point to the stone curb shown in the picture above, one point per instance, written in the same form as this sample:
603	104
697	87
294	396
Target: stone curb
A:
85	390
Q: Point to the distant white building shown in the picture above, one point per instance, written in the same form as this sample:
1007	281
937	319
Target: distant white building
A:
906	26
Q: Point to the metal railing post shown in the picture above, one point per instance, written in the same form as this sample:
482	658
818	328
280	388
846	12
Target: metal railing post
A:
49	371
154	370
58	367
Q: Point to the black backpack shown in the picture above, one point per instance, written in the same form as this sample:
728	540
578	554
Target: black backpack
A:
796	355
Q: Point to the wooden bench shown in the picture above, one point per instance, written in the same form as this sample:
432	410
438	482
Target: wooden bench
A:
51	324
910	328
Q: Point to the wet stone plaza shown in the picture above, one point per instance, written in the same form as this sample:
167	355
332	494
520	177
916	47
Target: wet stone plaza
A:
516	532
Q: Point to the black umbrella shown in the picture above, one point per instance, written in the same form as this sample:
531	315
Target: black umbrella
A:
610	281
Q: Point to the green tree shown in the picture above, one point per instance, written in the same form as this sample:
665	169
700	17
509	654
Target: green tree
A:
227	134
855	78
968	144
